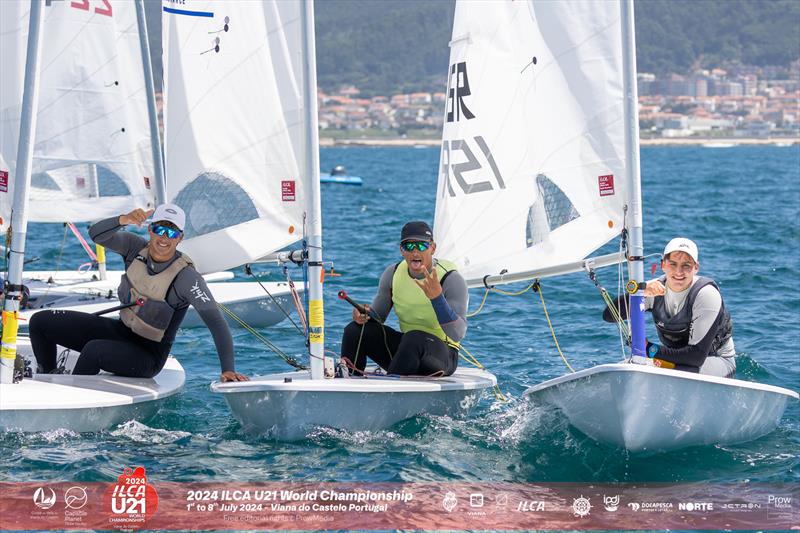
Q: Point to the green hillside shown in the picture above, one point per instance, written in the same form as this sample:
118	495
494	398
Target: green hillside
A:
388	46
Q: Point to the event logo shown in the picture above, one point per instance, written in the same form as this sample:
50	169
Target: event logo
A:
43	499
75	497
131	500
581	506
449	503
611	503
634	506
694	506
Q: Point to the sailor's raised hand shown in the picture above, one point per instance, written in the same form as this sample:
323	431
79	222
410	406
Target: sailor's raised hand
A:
654	288
430	284
137	216
361	318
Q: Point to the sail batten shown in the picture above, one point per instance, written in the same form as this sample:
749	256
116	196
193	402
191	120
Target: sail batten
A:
532	161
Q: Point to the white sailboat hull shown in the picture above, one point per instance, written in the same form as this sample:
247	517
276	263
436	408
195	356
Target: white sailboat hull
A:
248	300
84	403
643	408
291	410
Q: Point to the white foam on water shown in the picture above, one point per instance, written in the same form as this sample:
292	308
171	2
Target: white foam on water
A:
138	432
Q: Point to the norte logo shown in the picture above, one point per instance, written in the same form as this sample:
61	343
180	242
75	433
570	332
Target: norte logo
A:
131	500
695	506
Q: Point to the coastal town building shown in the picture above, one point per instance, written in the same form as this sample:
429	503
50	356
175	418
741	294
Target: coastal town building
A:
731	101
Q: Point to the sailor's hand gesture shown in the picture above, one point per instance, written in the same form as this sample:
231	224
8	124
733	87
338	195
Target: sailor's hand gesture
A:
430	284
361	318
137	216
654	288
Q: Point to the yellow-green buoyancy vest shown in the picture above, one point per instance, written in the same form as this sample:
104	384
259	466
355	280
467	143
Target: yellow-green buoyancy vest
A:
151	319
414	309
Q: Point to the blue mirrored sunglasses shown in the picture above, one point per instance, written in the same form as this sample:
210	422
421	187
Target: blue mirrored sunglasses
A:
419	245
165	231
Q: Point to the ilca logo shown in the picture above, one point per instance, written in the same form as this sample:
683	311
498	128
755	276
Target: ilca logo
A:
611	503
581	506
449	503
44	497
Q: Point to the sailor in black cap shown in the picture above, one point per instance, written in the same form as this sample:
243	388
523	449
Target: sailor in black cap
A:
430	300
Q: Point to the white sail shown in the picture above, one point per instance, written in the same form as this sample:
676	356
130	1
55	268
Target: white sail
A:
533	152
234	127
92	154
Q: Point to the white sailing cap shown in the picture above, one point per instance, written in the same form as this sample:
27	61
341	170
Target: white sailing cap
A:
682	244
170	213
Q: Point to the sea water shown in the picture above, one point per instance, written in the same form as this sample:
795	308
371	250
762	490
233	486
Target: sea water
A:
742	207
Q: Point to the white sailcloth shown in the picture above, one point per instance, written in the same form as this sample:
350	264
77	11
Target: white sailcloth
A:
234	127
92	155
533	155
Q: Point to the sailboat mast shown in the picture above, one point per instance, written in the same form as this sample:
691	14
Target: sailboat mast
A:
152	112
316	317
633	178
22	180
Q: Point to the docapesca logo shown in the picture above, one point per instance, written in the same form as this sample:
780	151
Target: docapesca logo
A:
131	501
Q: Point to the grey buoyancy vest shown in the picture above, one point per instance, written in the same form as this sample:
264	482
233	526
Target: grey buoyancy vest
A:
674	331
151	319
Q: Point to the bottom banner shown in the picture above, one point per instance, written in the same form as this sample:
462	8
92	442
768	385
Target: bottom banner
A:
135	502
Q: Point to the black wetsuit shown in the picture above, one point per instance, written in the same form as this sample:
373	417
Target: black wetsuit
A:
108	344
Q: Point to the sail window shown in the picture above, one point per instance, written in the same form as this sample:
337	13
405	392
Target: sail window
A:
213	201
551	210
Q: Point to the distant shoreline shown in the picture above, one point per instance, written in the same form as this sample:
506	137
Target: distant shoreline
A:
425	143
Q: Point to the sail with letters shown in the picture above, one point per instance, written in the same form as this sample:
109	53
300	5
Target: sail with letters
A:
533	154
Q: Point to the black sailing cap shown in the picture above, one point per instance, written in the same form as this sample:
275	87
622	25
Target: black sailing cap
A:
416	230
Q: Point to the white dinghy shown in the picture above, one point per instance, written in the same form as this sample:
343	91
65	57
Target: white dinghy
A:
84	403
292	405
539	169
646	408
280	68
52	401
97	152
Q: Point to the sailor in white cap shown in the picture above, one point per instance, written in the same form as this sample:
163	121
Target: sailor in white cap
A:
159	285
695	330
